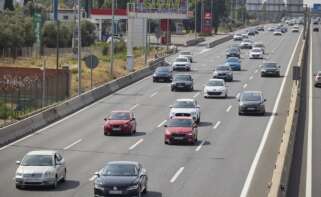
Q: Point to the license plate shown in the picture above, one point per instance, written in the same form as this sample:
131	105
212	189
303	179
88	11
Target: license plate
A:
115	192
251	108
116	129
178	138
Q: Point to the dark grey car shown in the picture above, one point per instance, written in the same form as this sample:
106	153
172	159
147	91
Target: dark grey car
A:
223	72
182	81
163	74
270	69
251	102
121	178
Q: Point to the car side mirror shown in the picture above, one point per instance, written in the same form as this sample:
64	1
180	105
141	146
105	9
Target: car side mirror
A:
133	118
97	174
171	106
314	74
59	163
105	119
194	126
198	106
165	125
264	100
18	162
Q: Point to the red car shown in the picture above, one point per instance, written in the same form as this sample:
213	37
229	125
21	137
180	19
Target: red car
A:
120	122
181	129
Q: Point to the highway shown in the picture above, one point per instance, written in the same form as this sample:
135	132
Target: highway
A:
218	166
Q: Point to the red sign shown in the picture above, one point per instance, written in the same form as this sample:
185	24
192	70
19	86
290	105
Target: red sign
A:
207	22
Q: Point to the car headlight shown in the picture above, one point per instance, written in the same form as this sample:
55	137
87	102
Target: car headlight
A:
133	187
19	175
49	174
98	185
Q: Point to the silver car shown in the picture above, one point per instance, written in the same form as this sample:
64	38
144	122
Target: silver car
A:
40	168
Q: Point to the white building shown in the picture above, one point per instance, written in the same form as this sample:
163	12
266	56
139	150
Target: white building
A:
67	14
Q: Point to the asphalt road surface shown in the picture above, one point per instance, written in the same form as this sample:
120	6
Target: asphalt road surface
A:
218	166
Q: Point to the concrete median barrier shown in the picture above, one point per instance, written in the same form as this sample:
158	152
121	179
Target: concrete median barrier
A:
194	41
219	41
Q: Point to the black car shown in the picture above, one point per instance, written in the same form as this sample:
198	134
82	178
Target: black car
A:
260	28
252	32
233	52
316	29
121	178
251	102
284	29
182	81
163	74
270	69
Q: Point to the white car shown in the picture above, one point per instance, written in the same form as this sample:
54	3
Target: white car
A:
245	35
40	168
186	107
259	45
181	63
256	53
186	54
246	44
295	28
215	88
238	37
277	32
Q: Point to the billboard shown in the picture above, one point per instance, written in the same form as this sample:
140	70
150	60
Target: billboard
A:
207	22
163	6
316	7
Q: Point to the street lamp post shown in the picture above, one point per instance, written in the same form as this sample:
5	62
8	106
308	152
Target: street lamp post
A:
79	49
195	16
112	37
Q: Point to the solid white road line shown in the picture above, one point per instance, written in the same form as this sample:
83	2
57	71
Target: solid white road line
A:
73	144
229	108
132	108
251	77
70	116
92	178
196	95
308	181
152	95
200	146
217	124
245	85
179	171
136	144
161	124
258	154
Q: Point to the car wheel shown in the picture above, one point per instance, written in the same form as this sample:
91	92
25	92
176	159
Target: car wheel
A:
139	192
225	95
18	186
240	113
63	179
145	189
172	89
192	88
54	185
154	80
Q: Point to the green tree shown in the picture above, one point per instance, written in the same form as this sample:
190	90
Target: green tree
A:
88	34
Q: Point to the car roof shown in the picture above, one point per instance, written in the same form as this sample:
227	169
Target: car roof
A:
222	80
183	75
124	162
252	92
121	111
42	152
182	100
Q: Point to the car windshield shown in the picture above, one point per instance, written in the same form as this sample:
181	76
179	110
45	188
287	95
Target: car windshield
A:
162	70
182	78
269	65
215	83
232	59
180	123
120	116
120	170
257	50
184	104
232	50
37	160
223	68
251	96
185	53
181	60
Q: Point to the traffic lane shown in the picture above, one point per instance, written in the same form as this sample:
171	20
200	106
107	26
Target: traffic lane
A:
237	136
316	103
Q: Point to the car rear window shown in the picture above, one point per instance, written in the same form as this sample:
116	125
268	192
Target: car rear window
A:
180	123
120	116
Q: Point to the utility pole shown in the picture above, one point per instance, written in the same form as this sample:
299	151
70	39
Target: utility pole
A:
212	14
195	16
202	15
79	49
112	38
